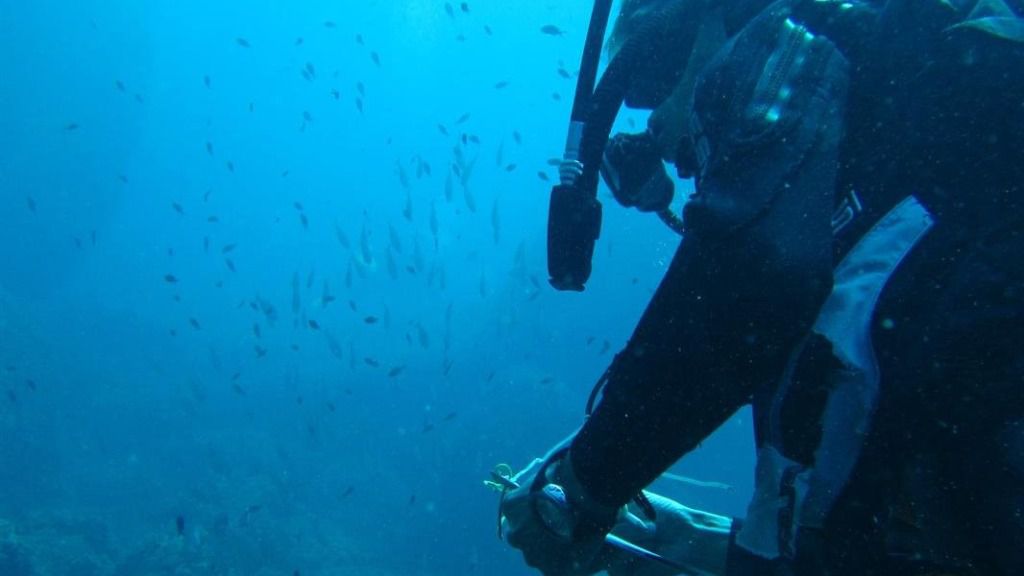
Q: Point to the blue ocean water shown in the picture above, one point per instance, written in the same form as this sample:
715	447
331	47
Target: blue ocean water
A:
273	294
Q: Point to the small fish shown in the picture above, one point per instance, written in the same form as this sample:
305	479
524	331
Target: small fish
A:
373	363
407	209
313	324
359	105
442	129
396	371
299	41
517	137
543	176
243	42
207	82
170	278
511	167
348	492
375	57
450	416
227	248
230	165
194	323
359	40
552	30
120	85
304	220
178	208
230	264
464	7
31	204
449	10
463	119
237	388
488	31
71	127
31	384
371	320
427	427
179	525
330	24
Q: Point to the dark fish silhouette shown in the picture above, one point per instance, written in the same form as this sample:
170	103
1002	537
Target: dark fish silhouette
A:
179	525
375	57
243	42
552	30
371	320
396	371
170	278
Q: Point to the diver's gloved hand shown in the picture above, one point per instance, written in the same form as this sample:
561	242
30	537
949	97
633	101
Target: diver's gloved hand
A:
559	530
697	540
634	172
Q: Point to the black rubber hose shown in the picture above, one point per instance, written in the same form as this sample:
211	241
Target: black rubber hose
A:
591	59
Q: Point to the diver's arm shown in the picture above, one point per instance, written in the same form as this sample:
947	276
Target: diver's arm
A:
718	323
750	275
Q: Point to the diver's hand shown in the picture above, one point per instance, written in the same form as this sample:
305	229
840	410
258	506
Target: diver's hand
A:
558	540
694	539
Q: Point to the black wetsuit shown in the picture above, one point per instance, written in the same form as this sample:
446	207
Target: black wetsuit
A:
941	475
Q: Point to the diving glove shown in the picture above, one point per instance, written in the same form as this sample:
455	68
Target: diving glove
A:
634	172
549	517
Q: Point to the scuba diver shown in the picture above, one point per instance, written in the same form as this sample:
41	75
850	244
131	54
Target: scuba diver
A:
851	267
